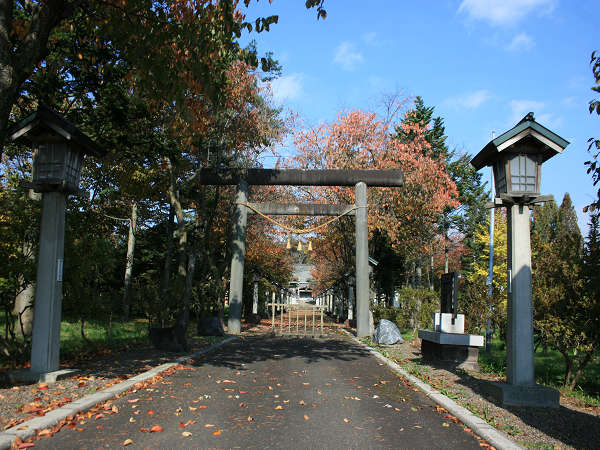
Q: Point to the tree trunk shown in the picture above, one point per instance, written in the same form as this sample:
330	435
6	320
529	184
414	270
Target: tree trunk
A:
581	367
568	367
166	278
129	260
432	276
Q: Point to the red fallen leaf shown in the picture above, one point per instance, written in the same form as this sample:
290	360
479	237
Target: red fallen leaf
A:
99	427
243	392
98	416
71	425
217	432
37	399
187	384
149	399
81	384
66	399
26	445
145	430
229	381
156	429
202	407
468	430
150	412
189	422
133	400
45	432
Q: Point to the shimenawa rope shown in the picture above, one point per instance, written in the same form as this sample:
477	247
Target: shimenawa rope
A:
298	230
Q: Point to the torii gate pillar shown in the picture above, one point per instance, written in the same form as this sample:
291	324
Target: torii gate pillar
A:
238	255
362	260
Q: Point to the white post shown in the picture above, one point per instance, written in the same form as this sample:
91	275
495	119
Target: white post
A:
350	302
255	298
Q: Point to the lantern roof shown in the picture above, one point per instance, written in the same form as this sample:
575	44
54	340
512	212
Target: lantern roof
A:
44	121
528	128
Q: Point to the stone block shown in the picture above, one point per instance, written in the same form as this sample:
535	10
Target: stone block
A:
471	340
442	322
534	395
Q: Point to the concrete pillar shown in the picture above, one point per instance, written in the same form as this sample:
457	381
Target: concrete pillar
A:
362	261
519	333
350	302
48	294
255	297
238	254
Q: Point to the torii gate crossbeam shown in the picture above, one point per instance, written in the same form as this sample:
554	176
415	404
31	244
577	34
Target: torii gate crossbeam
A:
294	177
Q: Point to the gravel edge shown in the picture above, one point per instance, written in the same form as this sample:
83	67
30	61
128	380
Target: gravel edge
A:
29	428
479	426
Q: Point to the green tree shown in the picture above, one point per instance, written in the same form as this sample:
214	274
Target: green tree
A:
564	311
594	143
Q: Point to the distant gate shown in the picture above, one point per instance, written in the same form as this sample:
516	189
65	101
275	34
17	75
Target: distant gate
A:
297	319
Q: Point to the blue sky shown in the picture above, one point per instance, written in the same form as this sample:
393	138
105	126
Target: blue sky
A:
483	64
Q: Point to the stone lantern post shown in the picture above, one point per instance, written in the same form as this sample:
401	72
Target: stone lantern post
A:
516	157
58	149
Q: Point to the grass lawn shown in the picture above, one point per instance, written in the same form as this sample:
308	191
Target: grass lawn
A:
549	370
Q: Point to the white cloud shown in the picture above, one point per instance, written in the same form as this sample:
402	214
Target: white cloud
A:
521	42
288	87
519	108
347	56
369	38
470	100
504	12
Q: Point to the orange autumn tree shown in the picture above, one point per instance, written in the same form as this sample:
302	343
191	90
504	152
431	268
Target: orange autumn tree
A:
403	217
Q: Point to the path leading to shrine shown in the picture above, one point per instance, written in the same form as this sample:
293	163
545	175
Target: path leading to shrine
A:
273	392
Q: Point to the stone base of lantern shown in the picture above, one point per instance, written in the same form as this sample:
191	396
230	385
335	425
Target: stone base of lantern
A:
523	395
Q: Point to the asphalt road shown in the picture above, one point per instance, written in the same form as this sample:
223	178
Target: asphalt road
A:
273	392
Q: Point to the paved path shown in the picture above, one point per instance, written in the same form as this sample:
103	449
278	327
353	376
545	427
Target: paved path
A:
267	392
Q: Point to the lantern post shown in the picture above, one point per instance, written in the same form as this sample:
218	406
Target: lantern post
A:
516	157
58	149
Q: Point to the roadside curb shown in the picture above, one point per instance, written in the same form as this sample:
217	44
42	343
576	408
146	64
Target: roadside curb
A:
28	428
494	437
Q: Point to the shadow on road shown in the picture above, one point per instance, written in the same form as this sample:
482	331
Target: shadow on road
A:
266	347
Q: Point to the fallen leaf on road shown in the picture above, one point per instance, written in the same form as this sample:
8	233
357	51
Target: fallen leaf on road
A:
279	407
26	445
468	430
209	425
202	407
187	384
306	417
250	419
347	420
445	424
98	416
387	405
150	412
229	381
156	429
131	420
217	432
301	402
186	434
127	442
133	400
191	408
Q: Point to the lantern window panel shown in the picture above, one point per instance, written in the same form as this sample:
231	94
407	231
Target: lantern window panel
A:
523	174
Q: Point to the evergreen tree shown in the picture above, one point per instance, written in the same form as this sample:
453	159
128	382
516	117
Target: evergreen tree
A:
565	310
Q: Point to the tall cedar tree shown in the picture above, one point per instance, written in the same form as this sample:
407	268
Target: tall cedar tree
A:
594	143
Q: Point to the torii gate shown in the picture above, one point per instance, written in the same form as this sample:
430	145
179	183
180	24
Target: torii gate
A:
360	179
